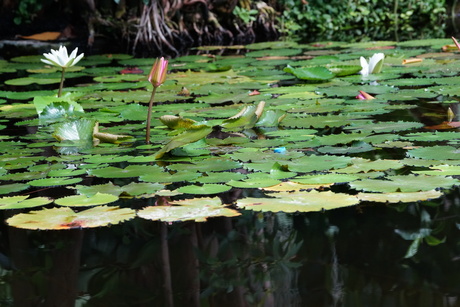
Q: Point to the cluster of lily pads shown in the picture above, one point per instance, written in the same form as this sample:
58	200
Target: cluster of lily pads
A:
279	122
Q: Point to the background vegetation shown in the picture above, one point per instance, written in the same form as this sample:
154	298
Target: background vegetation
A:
357	20
173	26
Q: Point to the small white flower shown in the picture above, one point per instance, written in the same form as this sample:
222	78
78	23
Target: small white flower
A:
374	66
61	58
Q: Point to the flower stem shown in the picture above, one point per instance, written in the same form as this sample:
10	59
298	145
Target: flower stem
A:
149	116
62	82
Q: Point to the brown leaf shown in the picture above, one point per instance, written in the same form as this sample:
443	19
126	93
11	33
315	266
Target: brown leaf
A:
44	36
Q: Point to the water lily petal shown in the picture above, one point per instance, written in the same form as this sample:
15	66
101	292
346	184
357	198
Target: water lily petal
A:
61	57
365	67
376	63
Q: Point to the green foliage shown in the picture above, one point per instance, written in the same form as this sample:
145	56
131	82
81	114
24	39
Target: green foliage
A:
247	16
353	20
27	10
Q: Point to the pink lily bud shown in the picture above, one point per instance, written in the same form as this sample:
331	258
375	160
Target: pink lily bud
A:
361	97
157	75
364	96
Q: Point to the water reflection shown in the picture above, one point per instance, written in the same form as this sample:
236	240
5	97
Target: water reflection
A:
343	257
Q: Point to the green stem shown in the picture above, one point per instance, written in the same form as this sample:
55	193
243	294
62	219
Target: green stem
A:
62	82
149	116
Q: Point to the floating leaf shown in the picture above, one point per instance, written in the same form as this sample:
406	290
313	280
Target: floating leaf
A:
176	122
192	134
21	202
220	177
441	170
299	202
51	182
324	179
435	152
83	200
127	172
107	188
11	188
200	211
254	183
66	218
396	197
409	183
204	189
78	130
315	73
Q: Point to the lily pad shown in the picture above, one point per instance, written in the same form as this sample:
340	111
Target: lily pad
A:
66	218
202	209
400	183
83	200
204	189
21	202
397	197
299	202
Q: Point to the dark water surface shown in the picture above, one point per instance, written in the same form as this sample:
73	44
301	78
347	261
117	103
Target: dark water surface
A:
344	257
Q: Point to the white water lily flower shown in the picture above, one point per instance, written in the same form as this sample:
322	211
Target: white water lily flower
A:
374	66
61	58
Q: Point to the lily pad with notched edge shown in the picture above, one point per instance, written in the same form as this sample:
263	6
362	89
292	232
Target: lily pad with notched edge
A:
66	218
407	183
205	189
299	202
179	213
21	202
83	200
397	197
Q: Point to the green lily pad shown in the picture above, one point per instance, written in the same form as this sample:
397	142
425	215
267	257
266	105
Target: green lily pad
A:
400	183
441	170
315	73
220	177
192	134
324	179
52	182
13	187
435	152
204	189
168	178
127	172
84	200
21	202
254	183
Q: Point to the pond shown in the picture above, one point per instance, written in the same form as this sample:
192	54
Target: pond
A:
275	174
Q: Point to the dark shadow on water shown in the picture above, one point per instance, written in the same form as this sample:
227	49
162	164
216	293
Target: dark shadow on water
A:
345	257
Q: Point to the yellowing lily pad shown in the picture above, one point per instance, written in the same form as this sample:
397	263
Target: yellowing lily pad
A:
299	202
199	211
66	218
397	197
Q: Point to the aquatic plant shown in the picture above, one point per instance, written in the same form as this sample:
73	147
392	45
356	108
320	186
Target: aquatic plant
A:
281	120
156	77
61	58
374	66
